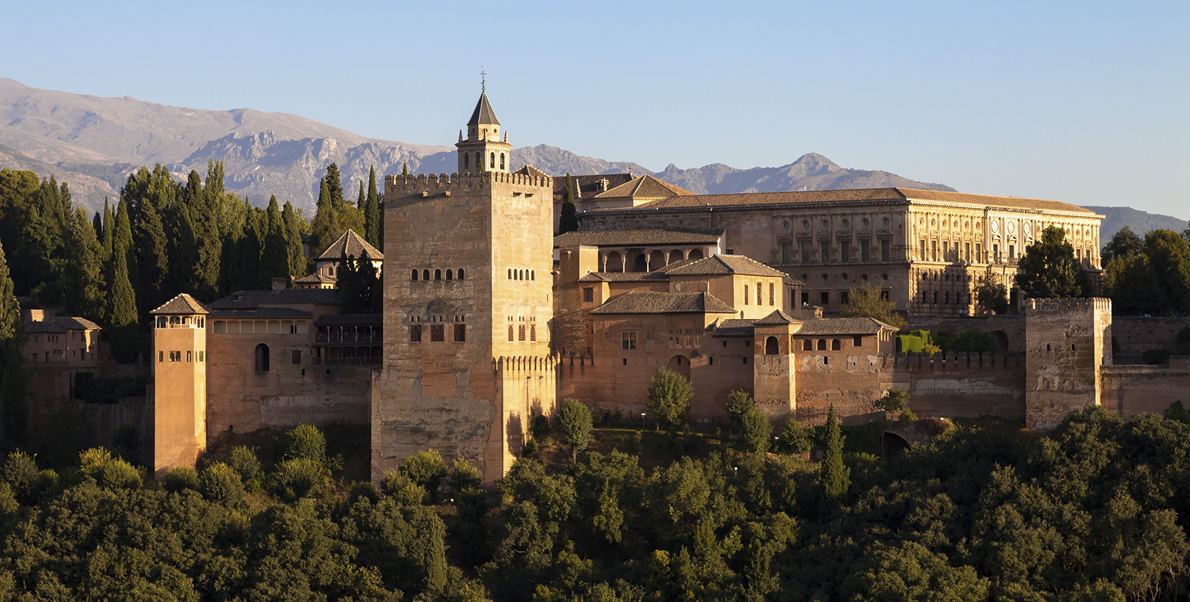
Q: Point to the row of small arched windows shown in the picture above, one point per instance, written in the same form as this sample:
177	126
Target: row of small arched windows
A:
520	333
425	275
521	274
771	347
479	158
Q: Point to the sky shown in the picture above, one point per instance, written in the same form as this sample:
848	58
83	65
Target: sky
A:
1084	102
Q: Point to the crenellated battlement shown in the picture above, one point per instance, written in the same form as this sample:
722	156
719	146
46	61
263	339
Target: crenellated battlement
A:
526	362
412	184
1064	306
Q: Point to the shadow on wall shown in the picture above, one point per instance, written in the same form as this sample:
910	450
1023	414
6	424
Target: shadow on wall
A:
515	433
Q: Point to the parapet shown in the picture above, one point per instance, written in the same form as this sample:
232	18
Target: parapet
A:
441	182
1065	306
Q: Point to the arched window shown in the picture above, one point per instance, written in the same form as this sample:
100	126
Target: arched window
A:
520	332
437	274
510	333
822	344
510	273
425	274
262	358
492	161
460	273
467	161
449	275
836	345
808	345
771	347
532	275
533	332
414	276
501	160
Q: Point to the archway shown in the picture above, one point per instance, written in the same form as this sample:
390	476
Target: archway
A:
694	254
615	263
262	358
1001	340
680	364
656	260
675	256
771	347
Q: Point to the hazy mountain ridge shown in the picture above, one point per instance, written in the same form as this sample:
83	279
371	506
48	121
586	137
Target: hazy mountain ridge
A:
811	171
1115	218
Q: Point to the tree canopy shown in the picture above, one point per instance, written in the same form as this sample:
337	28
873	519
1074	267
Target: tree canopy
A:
869	301
1048	269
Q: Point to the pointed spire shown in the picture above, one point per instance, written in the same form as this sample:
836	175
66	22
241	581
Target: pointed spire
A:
483	115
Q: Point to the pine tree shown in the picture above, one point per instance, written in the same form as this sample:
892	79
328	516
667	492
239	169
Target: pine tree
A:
122	240
834	478
404	168
97	225
122	328
152	259
249	250
107	237
294	226
274	256
323	226
373	219
567	221
82	284
13	380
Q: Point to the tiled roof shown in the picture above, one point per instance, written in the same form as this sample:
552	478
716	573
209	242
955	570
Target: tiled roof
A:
60	324
727	264
182	304
646	187
286	296
630	238
261	313
315	278
483	114
529	170
777	318
651	302
734	328
623	277
349	320
853	195
841	326
350	244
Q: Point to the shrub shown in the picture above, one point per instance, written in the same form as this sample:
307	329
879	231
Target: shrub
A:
243	461
465	476
540	426
907	416
426	469
221	484
180	478
530	448
755	430
296	478
894	400
739	403
402	490
669	397
111	473
306	441
20	471
575	419
363	490
794	438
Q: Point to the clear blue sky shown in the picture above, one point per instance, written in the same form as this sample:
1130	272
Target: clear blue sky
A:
1084	102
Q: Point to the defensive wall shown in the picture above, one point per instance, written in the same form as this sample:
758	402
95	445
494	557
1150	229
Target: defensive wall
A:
1131	389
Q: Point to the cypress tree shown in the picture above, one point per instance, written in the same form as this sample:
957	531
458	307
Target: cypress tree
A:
324	225
369	286
293	240
274	256
13	381
82	284
107	237
249	250
833	476
404	168
348	282
97	225
373	219
122	316
567	222
152	257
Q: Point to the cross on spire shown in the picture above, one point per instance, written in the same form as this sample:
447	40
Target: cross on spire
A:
483	80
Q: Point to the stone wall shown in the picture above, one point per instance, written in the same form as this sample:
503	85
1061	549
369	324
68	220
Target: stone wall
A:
1131	390
1136	334
1066	341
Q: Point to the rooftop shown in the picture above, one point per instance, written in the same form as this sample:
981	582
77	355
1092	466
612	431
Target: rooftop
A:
727	264
646	187
182	304
651	302
60	324
351	244
283	297
632	238
483	114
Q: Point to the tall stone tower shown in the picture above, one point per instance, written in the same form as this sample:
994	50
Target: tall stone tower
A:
467	286
483	145
180	377
1067	342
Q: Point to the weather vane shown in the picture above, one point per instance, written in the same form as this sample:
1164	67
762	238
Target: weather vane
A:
483	80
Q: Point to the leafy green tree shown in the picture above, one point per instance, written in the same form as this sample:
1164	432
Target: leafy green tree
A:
83	272
181	478
575	420
152	262
568	222
122	322
306	441
221	484
669	397
296	478
426	469
893	401
833	477
1048	269
869	302
1155	281
794	438
13	380
910	571
1122	244
243	460
739	403
991	294
756	431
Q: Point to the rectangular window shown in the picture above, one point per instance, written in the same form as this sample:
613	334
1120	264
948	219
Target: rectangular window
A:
805	299
967	252
786	252
865	252
845	251
857	342
295	357
415	333
532	333
175	356
825	252
201	355
923	250
826	298
588	295
745	294
933	250
437	333
885	251
844	297
1012	251
805	252
884	295
759	294
945	251
190	356
996	252
772	294
978	253
460	333
627	340
160	356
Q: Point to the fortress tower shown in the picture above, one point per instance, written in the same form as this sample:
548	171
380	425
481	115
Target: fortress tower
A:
180	383
1067	342
466	311
483	144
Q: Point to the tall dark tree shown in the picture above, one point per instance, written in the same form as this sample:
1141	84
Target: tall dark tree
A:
567	222
369	286
1154	281
122	241
294	227
121	327
97	225
1122	244
107	237
373	220
323	226
1048	269
82	272
40	254
834	478
13	381
349	284
152	257
274	255
247	269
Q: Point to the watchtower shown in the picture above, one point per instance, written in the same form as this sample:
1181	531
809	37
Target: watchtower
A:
483	145
1067	342
468	260
180	389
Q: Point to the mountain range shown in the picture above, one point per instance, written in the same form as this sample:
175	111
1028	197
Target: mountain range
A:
94	142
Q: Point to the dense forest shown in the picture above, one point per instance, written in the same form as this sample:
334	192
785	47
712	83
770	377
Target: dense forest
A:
1094	510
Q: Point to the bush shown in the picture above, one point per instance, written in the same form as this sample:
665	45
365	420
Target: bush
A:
540	426
530	448
402	490
739	403
111	473
465	476
243	461
20	471
363	490
795	439
1156	356
755	430
306	441
180	478
426	469
575	419
669	397
894	400
221	484
296	478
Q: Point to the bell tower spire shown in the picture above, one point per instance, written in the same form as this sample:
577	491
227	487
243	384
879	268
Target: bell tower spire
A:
483	146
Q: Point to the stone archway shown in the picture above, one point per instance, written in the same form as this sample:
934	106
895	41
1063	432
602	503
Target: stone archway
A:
680	364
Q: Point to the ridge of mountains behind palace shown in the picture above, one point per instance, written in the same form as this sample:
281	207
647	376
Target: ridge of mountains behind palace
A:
93	143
